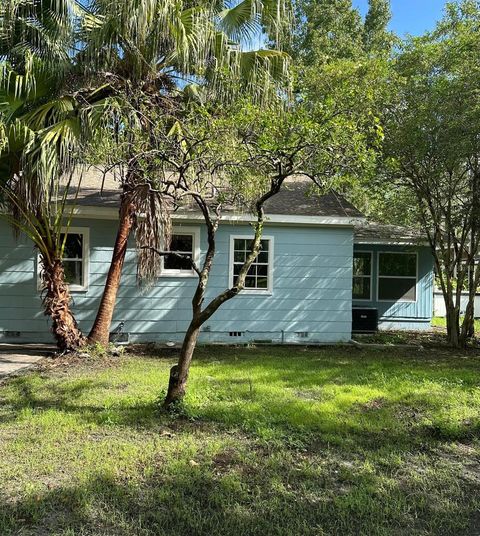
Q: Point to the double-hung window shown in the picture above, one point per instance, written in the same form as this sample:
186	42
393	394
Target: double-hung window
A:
397	277
184	245
259	276
75	258
362	275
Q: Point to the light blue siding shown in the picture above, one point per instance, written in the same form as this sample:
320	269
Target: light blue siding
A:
403	315
312	286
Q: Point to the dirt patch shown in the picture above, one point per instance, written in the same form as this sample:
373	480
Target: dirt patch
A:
373	405
224	460
310	394
474	529
408	414
67	363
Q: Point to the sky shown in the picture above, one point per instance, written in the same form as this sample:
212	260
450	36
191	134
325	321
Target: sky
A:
411	16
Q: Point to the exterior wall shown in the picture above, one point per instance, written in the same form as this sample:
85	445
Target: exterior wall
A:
403	315
312	289
439	304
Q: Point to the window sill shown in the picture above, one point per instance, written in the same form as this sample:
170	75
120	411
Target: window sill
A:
78	289
178	274
397	301
256	292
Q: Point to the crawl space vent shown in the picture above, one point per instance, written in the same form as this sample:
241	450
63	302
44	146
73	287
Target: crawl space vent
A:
302	334
236	333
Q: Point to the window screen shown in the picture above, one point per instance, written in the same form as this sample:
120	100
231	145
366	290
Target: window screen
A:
181	244
362	275
73	259
397	276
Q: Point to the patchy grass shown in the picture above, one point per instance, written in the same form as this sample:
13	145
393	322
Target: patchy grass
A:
441	322
434	338
272	441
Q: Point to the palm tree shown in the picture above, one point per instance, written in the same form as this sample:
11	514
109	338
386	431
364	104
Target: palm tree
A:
39	135
42	128
144	51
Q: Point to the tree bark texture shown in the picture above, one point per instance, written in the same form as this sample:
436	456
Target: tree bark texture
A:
179	372
56	302
453	324
100	331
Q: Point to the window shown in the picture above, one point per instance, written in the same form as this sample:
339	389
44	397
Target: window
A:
362	275
397	277
184	241
74	259
259	277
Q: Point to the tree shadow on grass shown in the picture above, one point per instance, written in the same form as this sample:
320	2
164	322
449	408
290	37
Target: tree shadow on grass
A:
193	501
303	411
67	398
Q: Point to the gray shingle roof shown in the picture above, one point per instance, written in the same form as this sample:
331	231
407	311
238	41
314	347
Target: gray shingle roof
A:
371	233
295	199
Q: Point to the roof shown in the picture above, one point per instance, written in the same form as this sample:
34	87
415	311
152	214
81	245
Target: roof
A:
296	200
296	197
379	233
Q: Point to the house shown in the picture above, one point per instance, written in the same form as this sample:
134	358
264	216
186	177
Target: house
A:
320	260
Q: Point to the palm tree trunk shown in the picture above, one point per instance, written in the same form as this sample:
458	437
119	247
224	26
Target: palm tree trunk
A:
100	331
56	302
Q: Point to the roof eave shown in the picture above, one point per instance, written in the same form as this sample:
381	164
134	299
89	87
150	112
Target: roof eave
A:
111	213
398	242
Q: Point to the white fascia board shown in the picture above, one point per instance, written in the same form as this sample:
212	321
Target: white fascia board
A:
97	213
388	243
110	213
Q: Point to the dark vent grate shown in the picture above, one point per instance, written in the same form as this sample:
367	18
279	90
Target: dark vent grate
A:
12	334
302	334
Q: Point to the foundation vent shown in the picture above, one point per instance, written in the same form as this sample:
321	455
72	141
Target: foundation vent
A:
236	333
302	334
11	334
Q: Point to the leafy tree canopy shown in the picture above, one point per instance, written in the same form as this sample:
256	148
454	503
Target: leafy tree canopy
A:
328	30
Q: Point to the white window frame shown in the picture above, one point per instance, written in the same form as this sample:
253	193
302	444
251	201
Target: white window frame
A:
85	232
190	231
397	276
266	292
364	277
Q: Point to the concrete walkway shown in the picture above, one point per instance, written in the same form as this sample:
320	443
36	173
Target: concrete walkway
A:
15	358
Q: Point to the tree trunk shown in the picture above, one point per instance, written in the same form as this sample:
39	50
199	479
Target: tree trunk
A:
468	325
179	373
100	331
453	325
56	301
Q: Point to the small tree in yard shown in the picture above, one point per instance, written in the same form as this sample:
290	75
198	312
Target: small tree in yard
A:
241	158
433	150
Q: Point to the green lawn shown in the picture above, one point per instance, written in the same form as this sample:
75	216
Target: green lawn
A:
441	322
273	441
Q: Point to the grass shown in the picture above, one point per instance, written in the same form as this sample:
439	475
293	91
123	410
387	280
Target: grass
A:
434	338
441	322
272	441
